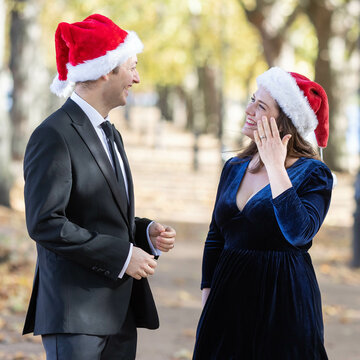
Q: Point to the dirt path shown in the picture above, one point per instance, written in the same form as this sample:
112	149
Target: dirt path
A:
167	189
177	294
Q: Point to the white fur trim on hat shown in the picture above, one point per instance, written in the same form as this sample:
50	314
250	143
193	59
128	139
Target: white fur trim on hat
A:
93	69
284	89
60	87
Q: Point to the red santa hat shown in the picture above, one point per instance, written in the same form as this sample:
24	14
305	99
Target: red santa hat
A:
88	49
302	100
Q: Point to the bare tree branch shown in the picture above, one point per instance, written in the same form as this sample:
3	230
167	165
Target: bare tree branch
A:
272	43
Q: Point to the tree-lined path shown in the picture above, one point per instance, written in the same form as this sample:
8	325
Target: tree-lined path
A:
168	189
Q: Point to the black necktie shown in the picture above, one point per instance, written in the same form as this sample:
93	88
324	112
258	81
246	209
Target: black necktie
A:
109	132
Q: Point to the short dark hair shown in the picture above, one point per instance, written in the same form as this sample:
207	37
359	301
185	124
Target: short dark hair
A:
116	70
89	83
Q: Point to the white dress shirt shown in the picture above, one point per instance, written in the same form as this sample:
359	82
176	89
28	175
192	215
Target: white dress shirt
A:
96	120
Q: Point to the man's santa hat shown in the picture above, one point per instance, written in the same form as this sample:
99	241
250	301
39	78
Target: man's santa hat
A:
88	49
302	100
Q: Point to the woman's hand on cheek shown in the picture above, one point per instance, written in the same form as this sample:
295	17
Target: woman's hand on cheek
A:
272	149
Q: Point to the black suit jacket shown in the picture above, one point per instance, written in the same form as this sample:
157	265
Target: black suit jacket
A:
81	221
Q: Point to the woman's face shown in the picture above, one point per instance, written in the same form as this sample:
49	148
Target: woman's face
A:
261	104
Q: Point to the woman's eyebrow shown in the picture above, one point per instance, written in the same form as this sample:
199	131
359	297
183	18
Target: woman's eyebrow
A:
260	101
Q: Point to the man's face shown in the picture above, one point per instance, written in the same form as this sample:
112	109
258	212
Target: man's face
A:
120	82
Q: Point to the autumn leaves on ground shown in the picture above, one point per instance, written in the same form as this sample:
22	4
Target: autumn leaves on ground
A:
167	189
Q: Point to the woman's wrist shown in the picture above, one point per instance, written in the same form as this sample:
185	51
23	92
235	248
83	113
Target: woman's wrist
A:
275	168
279	180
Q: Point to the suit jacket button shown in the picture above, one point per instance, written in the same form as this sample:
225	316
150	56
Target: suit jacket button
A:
94	268
107	273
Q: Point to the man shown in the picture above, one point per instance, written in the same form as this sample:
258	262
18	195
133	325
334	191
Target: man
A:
90	289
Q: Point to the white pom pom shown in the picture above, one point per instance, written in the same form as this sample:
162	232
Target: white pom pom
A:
61	87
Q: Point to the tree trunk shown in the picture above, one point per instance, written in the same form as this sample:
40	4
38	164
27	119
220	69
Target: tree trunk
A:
321	17
6	179
5	162
166	110
272	42
189	110
356	228
29	97
209	89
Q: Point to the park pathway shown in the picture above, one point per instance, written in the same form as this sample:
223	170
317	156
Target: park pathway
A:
169	190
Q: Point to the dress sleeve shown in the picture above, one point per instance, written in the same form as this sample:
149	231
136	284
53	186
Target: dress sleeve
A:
300	213
214	243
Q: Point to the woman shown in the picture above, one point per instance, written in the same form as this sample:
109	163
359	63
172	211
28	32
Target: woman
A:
262	300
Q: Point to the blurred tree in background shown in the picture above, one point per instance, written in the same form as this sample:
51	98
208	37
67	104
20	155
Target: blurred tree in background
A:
201	54
336	28
5	172
28	72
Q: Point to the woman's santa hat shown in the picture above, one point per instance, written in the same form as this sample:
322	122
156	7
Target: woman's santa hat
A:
302	100
88	49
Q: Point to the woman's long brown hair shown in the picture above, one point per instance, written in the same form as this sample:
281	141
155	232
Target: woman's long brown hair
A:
297	146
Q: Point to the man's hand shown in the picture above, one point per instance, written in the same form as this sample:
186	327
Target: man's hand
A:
162	236
141	264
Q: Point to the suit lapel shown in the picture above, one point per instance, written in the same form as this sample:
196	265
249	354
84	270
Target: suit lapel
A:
86	131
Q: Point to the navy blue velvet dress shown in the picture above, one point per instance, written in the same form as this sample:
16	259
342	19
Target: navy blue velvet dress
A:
265	301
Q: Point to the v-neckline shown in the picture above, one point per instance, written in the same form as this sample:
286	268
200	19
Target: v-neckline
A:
259	191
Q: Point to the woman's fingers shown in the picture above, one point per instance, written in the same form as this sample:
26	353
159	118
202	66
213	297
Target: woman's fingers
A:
285	140
257	138
274	128
261	131
268	131
266	127
272	149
